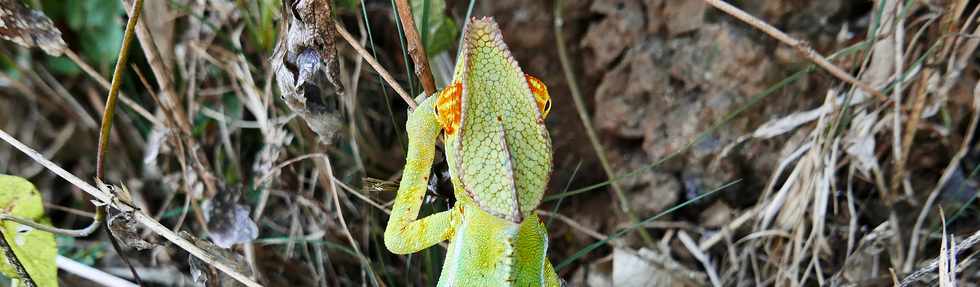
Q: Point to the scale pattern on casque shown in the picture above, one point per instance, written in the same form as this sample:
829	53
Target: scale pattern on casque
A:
510	181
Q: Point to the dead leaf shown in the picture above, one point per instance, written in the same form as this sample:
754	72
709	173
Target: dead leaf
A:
205	274
630	269
860	141
306	66
627	267
123	227
780	126
29	28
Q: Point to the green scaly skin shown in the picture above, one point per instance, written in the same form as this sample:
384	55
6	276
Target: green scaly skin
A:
500	159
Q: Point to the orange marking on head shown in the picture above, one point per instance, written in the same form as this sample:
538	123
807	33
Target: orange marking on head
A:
541	96
449	107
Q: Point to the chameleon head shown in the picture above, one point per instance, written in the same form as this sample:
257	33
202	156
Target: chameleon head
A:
498	148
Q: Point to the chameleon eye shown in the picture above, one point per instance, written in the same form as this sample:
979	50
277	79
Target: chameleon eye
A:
541	96
448	107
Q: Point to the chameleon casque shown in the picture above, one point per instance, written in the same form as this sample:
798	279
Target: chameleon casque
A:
499	155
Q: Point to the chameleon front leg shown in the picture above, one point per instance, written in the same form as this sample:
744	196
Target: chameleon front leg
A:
406	233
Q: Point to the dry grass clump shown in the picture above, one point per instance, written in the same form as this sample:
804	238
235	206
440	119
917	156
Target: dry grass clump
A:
209	149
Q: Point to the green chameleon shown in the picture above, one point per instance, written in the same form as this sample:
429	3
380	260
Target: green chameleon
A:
499	156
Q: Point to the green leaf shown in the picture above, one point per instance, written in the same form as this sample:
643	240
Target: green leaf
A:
35	249
98	24
443	37
260	22
437	30
62	66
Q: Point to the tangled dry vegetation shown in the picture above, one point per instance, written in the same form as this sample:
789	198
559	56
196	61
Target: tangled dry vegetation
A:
835	147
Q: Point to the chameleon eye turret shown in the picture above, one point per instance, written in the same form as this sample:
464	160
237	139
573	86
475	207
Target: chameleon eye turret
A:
448	107
541	95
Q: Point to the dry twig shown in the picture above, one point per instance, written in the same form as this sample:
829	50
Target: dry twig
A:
169	103
802	47
377	66
104	196
415	47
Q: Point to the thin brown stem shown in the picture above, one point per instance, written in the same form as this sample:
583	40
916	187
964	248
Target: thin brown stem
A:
106	85
566	65
416	48
106	128
110	105
374	64
169	102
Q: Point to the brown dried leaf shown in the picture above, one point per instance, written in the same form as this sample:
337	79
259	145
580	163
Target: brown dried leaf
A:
306	66
123	226
29	28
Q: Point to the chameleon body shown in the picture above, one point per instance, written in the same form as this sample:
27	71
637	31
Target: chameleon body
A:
492	120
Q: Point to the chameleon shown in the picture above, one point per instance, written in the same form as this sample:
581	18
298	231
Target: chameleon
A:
491	117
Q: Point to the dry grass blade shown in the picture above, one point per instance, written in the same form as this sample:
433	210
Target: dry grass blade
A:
106	85
948	173
585	230
375	65
802	47
104	196
901	151
326	178
703	258
947	257
933	264
600	153
806	191
95	275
